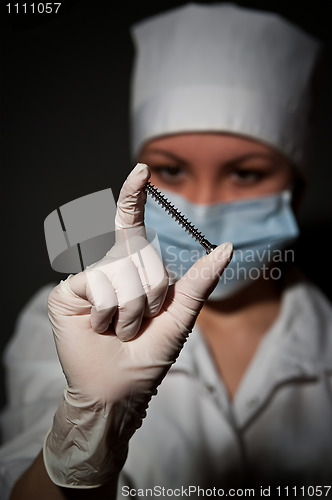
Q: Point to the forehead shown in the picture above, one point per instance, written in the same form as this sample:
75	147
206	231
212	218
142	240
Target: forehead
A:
208	145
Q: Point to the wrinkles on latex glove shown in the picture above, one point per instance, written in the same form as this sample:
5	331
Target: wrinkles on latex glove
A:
128	283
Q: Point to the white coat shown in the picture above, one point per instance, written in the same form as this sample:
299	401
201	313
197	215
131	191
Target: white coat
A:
276	433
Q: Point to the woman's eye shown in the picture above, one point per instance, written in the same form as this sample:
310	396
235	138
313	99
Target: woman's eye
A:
247	176
168	173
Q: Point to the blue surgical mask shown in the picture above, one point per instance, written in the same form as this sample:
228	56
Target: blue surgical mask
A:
260	229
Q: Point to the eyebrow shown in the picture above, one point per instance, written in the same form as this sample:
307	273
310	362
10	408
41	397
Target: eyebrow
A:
167	153
239	159
248	156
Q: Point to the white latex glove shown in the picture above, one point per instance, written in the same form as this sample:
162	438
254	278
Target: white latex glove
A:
118	328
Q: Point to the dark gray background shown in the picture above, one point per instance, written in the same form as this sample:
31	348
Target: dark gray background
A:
64	95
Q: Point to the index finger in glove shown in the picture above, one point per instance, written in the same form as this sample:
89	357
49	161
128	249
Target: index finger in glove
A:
193	289
131	202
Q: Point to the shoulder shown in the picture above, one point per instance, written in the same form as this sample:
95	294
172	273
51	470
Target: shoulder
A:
314	306
307	315
32	334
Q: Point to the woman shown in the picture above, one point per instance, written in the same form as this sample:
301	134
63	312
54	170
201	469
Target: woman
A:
221	113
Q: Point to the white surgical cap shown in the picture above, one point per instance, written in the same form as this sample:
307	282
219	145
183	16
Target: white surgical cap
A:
223	68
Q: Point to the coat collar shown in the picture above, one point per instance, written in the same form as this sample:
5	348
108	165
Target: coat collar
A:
298	346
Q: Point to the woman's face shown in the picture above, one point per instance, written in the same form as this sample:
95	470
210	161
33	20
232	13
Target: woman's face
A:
214	167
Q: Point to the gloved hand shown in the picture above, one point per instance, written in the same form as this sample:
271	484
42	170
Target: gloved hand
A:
118	328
